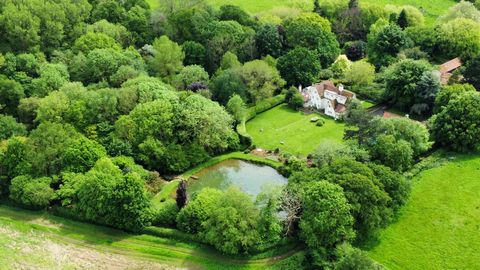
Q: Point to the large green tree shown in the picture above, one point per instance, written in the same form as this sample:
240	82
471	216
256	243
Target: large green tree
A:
456	126
326	220
299	66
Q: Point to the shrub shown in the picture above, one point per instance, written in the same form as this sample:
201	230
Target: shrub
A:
166	215
34	192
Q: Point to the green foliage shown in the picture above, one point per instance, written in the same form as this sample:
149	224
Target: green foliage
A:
33	192
455	126
10	94
269	41
402	82
472	72
226	85
385	43
9	127
261	79
91	41
360	74
396	154
112	197
198	210
166	215
460	37
167	58
81	154
313	32
231	225
326	219
299	66
349	258
189	75
450	92
194	53
236	106
12	161
224	36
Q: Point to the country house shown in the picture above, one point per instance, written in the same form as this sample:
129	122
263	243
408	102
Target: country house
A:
325	96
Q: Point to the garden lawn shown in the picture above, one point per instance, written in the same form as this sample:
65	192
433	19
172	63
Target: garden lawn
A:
299	136
439	226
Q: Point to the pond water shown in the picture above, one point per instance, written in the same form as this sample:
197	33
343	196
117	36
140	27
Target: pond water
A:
250	178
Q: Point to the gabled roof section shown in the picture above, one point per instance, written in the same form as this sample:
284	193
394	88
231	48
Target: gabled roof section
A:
451	65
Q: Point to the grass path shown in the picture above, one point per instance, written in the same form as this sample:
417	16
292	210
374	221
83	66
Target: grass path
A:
31	227
439	228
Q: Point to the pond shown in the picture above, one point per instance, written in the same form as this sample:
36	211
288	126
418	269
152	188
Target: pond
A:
250	178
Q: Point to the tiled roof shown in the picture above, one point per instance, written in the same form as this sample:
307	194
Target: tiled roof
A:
450	65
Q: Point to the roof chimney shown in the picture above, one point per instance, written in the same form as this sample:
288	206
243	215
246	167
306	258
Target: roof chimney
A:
340	87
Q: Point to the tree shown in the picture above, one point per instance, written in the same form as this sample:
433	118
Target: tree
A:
231	226
401	82
236	106
326	220
369	202
261	79
269	41
194	53
360	74
402	20
116	31
226	85
91	41
224	36
197	211
11	92
464	9
189	75
427	89
235	13
450	92
394	183
9	127
385	43
460	37
396	154
33	192
299	66
167	59
472	72
313	32
13	161
355	50
21	29
112	197
181	197
351	258
81	154
455	125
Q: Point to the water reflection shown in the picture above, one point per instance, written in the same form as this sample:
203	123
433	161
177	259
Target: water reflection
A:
250	178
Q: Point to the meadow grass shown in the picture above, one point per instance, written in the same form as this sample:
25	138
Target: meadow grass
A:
431	9
23	225
439	226
291	131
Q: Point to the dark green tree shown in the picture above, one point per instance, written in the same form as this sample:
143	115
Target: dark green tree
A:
299	66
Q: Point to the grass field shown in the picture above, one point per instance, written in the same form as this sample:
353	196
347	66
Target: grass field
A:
439	228
38	240
432	8
294	129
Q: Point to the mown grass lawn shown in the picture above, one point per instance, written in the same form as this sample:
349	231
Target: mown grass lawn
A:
292	131
439	228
